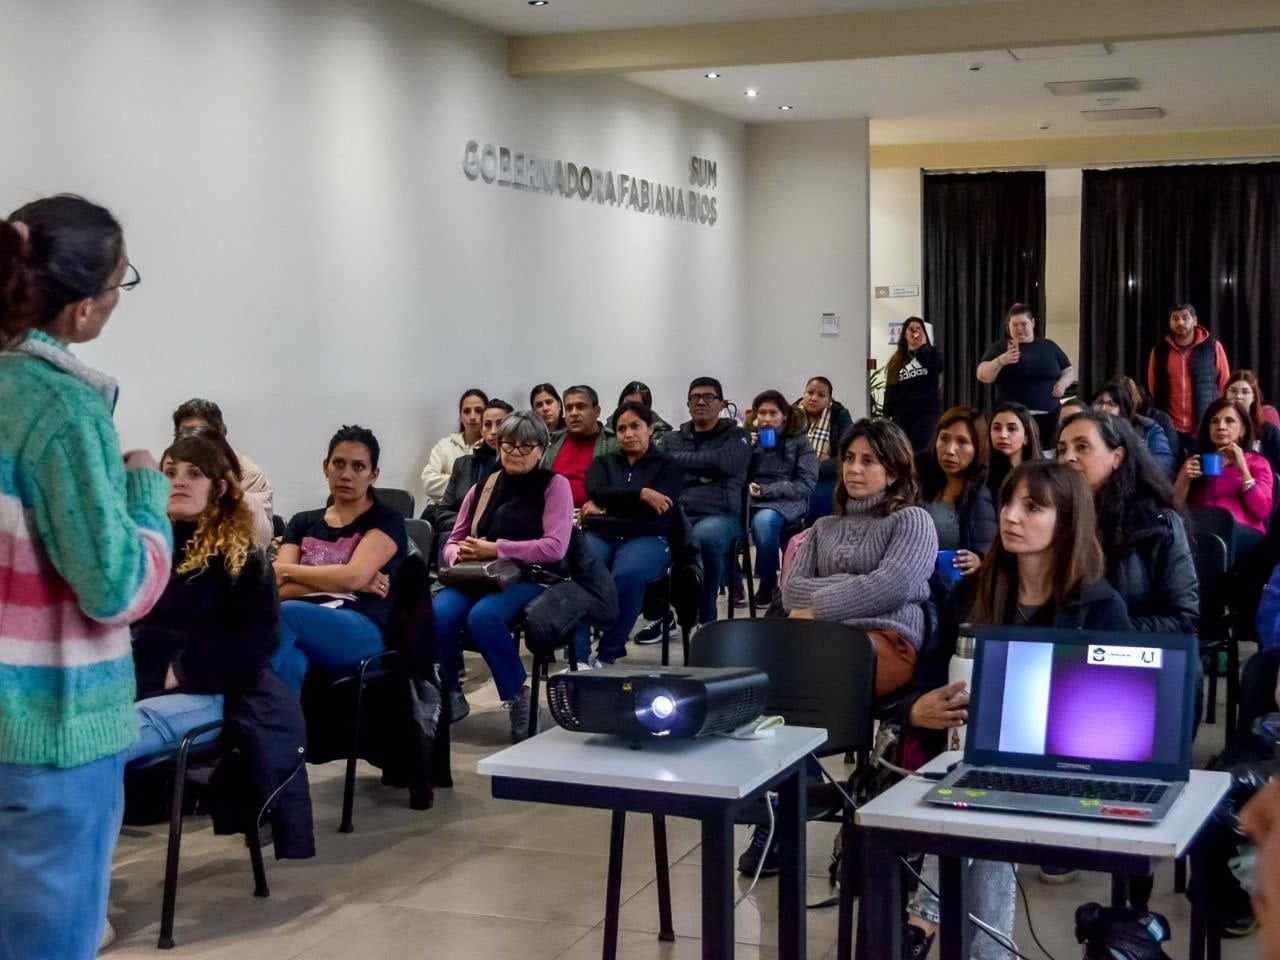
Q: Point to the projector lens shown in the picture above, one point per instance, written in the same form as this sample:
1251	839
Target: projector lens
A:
662	706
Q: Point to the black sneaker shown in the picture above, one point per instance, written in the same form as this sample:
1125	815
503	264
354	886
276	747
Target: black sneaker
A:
751	856
653	632
519	708
458	706
916	943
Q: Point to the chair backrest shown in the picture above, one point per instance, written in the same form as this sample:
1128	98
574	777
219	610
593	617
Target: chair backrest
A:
401	501
277	525
1217	521
820	674
421	536
1212	560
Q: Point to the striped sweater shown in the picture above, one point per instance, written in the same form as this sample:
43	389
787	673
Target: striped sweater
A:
85	549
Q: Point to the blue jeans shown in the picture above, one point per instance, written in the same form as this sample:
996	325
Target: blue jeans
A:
59	828
766	531
487	619
334	640
164	720
713	536
635	564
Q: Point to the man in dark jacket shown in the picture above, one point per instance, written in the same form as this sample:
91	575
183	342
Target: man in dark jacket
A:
714	454
1186	372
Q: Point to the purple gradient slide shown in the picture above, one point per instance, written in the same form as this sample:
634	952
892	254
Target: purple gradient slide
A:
1105	713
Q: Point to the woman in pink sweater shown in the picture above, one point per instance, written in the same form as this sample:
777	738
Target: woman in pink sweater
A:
1245	484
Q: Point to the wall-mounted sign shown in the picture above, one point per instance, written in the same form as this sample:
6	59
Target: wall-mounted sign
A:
829	325
520	170
894	291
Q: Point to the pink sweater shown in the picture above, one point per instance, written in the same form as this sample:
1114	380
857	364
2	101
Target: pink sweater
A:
557	525
1253	508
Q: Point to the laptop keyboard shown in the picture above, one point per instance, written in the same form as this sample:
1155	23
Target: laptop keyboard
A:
1050	786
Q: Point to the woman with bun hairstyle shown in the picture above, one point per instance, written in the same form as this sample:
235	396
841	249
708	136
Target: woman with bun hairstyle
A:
85	549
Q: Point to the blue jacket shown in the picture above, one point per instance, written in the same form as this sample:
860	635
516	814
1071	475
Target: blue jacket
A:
1269	613
1157	444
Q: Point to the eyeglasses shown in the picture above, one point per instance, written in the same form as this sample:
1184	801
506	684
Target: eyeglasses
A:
703	399
131	279
524	449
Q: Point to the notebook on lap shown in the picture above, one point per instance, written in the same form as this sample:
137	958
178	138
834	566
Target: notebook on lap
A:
1076	723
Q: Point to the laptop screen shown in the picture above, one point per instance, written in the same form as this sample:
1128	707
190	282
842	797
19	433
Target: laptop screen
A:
1075	701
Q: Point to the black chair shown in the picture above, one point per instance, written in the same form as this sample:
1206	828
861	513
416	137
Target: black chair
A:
422	536
400	501
542	661
277	525
191	755
1212	560
820	675
739	558
1217	521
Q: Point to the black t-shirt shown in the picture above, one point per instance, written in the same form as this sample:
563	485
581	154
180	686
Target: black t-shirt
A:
917	388
322	545
1030	381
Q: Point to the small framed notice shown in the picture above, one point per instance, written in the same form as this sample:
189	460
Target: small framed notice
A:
829	325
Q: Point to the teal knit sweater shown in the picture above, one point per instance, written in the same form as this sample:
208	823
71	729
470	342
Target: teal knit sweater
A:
85	549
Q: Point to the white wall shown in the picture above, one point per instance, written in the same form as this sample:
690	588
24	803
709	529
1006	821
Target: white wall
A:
897	257
807	249
289	173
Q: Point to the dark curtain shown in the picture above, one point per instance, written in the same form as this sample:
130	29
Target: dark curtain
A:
1154	236
983	250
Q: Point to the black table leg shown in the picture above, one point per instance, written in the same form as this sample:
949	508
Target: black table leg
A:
880	907
951	931
717	885
617	833
1119	890
1206	938
848	872
663	868
792	822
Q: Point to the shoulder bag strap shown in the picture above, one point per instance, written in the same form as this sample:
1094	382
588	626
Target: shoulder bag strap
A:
482	501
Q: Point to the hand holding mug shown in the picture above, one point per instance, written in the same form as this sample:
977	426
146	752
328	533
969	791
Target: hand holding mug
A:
1191	468
968	562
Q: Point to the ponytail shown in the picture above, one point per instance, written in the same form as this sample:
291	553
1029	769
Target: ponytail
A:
53	252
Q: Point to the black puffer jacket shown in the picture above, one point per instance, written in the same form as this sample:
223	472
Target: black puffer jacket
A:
587	595
1156	577
787	473
715	467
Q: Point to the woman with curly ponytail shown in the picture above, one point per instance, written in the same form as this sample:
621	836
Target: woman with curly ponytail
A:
215	626
84	552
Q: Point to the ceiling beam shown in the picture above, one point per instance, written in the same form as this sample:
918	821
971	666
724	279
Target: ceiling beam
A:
885	33
1246	143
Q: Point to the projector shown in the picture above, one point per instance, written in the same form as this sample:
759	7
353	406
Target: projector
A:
637	703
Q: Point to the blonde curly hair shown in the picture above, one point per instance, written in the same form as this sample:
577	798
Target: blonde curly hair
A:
225	526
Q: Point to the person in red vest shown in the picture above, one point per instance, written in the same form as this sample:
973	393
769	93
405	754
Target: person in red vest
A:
1186	372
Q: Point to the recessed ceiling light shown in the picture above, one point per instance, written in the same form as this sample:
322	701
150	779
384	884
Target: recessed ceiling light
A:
538	3
752	92
786	106
712	75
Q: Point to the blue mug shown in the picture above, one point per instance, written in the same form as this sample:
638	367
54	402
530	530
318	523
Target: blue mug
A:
1211	464
768	437
946	567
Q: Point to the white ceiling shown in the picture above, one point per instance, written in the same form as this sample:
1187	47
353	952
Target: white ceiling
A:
1201	83
568	16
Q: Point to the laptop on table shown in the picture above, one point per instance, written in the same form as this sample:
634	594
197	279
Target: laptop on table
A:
1076	723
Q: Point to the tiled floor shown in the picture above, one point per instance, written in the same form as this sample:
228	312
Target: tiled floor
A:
482	878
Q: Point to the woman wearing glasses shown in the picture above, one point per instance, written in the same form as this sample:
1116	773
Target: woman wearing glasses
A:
86	551
522	512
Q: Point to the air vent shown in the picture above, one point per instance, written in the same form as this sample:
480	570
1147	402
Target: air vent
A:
1128	113
1071	88
1065	52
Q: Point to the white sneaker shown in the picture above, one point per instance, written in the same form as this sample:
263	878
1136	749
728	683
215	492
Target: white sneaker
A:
108	936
